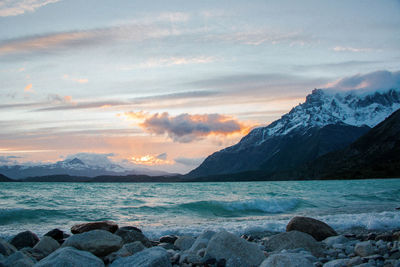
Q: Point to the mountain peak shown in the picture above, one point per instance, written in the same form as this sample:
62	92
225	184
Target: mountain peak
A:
76	161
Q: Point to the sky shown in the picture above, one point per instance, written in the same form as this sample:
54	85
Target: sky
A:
163	84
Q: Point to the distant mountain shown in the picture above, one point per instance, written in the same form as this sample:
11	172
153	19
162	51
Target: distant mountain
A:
74	167
374	155
327	121
4	178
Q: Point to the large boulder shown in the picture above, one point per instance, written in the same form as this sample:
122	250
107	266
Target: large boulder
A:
24	239
202	241
184	242
102	225
293	240
130	234
70	257
287	260
317	229
6	248
19	259
47	245
224	245
98	242
151	257
57	234
127	250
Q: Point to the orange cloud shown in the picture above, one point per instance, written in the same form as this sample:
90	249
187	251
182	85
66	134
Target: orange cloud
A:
150	160
28	88
187	128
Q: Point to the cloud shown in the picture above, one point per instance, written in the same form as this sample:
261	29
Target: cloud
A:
162	156
28	88
150	160
77	80
93	159
351	49
55	98
189	161
371	81
9	160
170	61
186	128
18	7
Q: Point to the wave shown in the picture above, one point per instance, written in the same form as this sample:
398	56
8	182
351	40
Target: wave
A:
8	216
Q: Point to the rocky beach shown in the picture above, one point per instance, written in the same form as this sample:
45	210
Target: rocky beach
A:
306	242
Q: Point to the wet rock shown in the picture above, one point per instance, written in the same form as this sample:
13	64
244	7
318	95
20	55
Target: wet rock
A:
47	245
24	239
19	259
364	249
184	242
151	257
69	256
57	235
224	245
287	260
317	229
6	248
130	234
98	242
293	240
102	225
168	239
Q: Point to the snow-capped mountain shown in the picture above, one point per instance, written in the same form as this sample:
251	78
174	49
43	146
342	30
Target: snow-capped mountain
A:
328	120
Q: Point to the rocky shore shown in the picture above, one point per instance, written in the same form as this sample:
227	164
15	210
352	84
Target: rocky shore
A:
306	242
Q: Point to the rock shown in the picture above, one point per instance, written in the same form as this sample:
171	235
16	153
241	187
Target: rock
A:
202	241
224	245
385	237
190	257
287	260
47	245
396	236
130	234
70	257
317	229
57	235
151	257
168	239
364	249
6	248
18	259
330	241
355	261
184	242
98	242
102	225
24	239
127	250
337	263
168	246
293	240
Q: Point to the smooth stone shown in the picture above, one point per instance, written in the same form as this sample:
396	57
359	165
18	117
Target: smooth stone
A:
151	257
293	240
70	257
336	263
98	242
47	245
287	260
317	229
355	261
224	245
202	241
18	259
130	234
364	249
33	253
126	250
168	239
330	241
184	242
57	234
102	225
24	239
6	248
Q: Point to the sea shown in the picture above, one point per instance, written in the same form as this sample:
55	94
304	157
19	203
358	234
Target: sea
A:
189	208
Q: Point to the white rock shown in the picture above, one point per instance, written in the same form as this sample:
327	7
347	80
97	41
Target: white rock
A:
224	245
184	242
364	249
47	245
98	242
151	257
287	260
70	257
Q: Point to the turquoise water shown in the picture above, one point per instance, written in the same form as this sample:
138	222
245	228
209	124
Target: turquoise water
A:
188	208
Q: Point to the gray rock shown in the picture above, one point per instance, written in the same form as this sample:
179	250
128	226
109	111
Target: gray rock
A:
102	225
330	241
355	261
152	257
224	245
292	240
168	246
98	242
47	245
6	248
19	259
287	260
127	250
132	234
337	263
168	239
184	242
317	229
33	253
24	239
70	257
202	241
189	257
364	249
